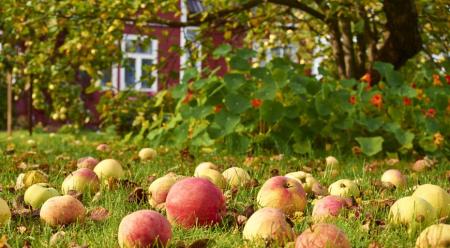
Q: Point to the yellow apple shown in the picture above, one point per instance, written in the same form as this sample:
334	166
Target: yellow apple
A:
236	176
147	154
411	211
436	196
109	168
344	188
214	177
435	236
5	212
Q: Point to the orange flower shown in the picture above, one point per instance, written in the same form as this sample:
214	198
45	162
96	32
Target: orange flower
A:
367	78
431	113
377	100
256	103
407	101
188	97
436	80
218	108
352	100
447	78
438	139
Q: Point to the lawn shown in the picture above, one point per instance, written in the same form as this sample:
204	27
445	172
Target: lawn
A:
56	153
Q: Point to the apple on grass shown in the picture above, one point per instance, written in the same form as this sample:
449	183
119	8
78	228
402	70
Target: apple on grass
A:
109	168
344	188
329	206
306	179
38	193
213	176
87	162
144	228
83	180
436	196
62	210
393	177
236	177
268	224
195	201
159	189
147	154
411	211
283	193
204	165
435	236
5	212
322	236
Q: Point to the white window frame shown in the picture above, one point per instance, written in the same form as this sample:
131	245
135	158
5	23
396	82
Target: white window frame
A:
184	60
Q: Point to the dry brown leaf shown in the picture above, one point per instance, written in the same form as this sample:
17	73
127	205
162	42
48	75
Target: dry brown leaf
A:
76	194
4	242
138	195
200	243
21	229
99	214
375	244
56	238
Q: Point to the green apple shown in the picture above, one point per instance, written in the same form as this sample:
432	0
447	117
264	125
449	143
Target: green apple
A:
436	196
344	188
83	180
204	165
436	236
213	176
236	177
109	168
411	211
147	154
306	179
38	193
5	212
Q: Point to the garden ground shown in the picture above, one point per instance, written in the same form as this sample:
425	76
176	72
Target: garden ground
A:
56	154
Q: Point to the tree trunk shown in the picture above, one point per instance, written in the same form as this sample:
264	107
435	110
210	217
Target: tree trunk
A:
348	48
336	45
9	100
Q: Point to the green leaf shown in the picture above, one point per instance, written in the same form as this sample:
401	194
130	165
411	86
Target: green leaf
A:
372	124
179	91
405	138
370	145
262	74
222	51
237	103
189	74
226	122
322	106
240	64
272	111
267	92
234	81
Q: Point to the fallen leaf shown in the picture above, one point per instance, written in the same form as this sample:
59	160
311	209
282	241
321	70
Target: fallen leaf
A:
56	238
21	229
76	194
99	214
249	210
241	220
137	195
26	244
4	242
374	244
200	243
128	184
274	172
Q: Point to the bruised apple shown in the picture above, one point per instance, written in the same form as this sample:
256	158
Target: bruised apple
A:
213	176
195	201
344	188
144	228
411	211
283	193
159	189
329	206
306	179
83	180
268	224
147	154
87	162
236	177
204	165
436	196
62	210
5	212
393	177
109	168
38	193
435	236
322	236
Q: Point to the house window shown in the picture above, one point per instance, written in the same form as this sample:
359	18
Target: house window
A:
282	51
138	69
192	49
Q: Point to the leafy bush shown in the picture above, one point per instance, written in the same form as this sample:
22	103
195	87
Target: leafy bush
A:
278	107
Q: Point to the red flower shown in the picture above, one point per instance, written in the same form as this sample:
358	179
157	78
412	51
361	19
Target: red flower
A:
256	103
352	100
431	113
367	78
436	80
447	78
377	100
413	85
407	101
188	97
218	108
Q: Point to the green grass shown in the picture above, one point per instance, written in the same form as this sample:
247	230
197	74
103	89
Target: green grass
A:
60	150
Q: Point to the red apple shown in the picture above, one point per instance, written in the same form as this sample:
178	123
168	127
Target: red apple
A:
329	206
322	236
144	228
283	193
87	162
62	210
195	201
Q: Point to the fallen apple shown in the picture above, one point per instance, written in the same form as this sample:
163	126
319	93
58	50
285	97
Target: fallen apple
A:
38	193
411	211
331	162
147	154
435	236
344	188
159	189
87	162
236	177
393	177
436	196
195	201
103	148
268	224
283	193
322	236
329	206
306	179
31	143
213	176
204	165
83	180
62	210
109	168
144	228
33	177
5	212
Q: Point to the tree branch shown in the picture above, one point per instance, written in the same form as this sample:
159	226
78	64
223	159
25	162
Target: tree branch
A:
301	6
